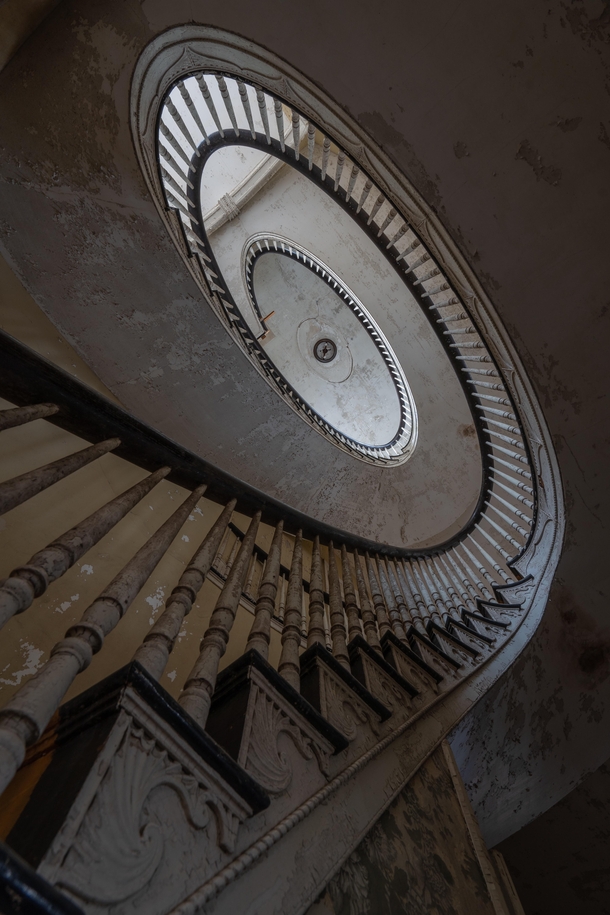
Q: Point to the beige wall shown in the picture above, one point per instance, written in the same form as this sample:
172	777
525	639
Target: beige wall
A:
28	638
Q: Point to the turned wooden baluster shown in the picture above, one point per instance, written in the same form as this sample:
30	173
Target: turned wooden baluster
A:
368	617
325	155
463	586
429	597
477	566
279	120
311	139
475	586
219	565
492	562
196	697
17	416
337	617
233	551
260	633
192	107
352	181
289	666
281	598
438	593
296	133
20	489
249	590
419	612
395	619
351	607
448	594
243	94
339	169
381	613
203	88
366	190
182	126
411	606
224	91
317	632
262	107
401	604
29	711
158	644
31	580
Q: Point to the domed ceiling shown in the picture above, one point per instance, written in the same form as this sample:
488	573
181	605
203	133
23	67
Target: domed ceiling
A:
328	322
356	392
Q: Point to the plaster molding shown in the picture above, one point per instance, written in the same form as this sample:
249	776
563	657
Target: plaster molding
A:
270	716
386	689
112	843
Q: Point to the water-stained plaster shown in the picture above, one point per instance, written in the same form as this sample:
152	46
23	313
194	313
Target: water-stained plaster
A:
418	857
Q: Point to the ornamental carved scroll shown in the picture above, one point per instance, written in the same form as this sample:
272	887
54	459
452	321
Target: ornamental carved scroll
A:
121	841
262	756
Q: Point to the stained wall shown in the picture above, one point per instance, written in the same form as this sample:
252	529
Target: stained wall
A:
559	862
418	858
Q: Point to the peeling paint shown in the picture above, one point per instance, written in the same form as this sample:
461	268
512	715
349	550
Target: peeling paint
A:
31	660
548	173
155	601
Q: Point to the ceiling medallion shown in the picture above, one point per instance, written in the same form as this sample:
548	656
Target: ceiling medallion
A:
325	349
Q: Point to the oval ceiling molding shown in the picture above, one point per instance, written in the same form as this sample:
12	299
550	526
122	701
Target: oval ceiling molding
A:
256	100
354	385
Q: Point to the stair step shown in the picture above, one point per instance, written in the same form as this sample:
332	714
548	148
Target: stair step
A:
432	654
411	666
466	633
381	679
453	645
341	698
253	710
116	761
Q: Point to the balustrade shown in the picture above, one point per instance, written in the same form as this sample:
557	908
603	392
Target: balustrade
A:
402	623
381	632
340	661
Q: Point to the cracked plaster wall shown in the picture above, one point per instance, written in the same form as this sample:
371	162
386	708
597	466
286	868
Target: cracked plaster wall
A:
499	114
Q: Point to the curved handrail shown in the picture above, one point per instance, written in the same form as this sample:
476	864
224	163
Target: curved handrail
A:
27	377
493	408
441	608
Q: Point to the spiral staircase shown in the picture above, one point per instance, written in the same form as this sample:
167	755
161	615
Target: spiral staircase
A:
254	787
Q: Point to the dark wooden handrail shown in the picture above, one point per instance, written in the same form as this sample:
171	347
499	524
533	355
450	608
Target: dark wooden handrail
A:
28	378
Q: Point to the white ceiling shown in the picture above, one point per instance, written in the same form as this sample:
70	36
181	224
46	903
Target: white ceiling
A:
441	481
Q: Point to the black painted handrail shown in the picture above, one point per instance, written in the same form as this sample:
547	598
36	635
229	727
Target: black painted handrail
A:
28	378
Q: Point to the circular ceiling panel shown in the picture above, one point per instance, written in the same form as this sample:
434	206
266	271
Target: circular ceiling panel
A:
328	347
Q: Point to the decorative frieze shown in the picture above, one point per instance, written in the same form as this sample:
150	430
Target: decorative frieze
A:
155	804
341	699
272	732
